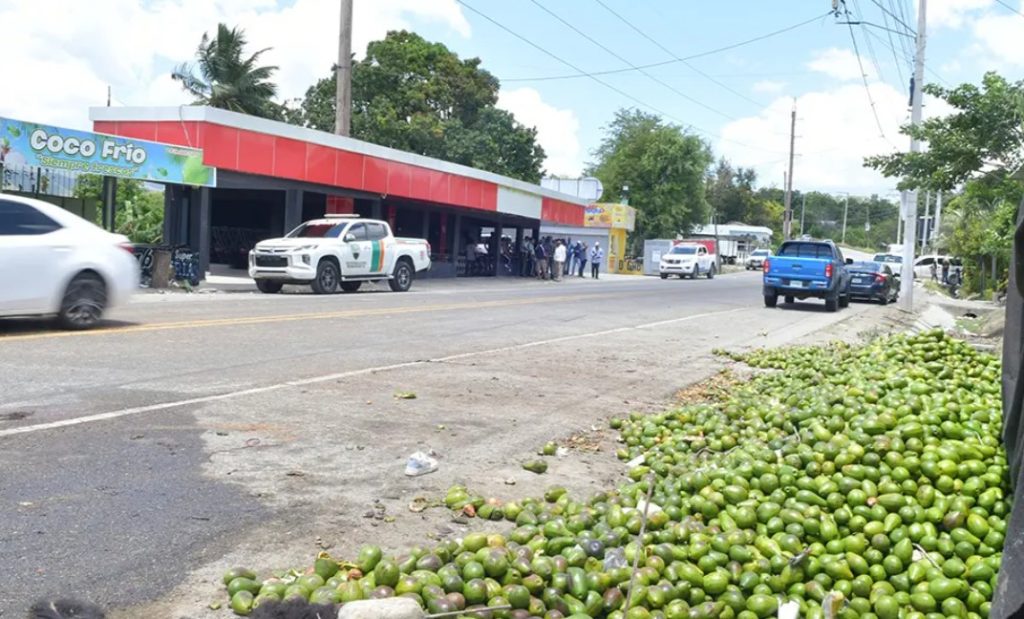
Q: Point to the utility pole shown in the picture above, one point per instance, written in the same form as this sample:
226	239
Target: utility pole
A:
803	210
343	72
938	216
787	222
846	210
924	222
909	198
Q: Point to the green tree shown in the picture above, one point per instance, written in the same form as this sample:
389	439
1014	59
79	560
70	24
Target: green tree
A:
664	168
418	96
140	212
229	79
979	148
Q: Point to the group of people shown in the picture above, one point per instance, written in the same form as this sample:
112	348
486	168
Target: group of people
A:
553	259
945	272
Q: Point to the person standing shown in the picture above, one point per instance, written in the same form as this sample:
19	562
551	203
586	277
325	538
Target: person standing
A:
581	253
945	271
526	253
934	269
541	259
549	253
596	256
574	254
560	255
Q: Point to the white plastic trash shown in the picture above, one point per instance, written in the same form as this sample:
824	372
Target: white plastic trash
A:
420	463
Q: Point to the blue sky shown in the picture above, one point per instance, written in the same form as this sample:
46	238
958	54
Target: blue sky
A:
62	56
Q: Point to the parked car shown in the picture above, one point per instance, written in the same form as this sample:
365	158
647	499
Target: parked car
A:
688	260
756	258
807	269
923	265
54	263
338	251
873	281
895	262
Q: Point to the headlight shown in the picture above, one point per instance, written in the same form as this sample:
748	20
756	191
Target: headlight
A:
305	248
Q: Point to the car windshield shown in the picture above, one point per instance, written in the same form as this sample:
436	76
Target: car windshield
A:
317	230
760	252
872	267
686	251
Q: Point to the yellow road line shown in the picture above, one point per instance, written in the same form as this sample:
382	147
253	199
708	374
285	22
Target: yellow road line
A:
256	320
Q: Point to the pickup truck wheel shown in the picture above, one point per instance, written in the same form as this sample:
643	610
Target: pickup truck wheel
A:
664	276
789	299
711	272
401	280
831	304
844	301
771	300
268	286
350	286
326	281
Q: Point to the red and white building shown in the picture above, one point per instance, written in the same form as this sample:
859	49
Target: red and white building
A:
271	176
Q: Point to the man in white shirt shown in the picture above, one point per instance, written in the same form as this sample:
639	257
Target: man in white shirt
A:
559	260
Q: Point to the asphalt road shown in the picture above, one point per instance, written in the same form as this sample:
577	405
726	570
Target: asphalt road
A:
117	446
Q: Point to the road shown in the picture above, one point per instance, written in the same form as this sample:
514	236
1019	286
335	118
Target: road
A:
198	430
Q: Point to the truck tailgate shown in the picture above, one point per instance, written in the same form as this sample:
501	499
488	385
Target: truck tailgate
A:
800	269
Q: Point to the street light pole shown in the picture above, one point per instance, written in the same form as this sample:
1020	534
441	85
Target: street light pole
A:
909	198
803	210
343	73
846	209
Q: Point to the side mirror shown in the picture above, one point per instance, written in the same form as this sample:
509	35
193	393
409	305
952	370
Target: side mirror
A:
349	238
849	261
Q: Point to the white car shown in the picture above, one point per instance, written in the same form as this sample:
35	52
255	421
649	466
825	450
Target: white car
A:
923	266
338	251
688	260
757	257
54	263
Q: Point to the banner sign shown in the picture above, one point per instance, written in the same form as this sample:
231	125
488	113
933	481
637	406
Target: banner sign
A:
28	144
610	216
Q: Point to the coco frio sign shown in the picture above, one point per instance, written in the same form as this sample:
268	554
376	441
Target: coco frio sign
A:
29	144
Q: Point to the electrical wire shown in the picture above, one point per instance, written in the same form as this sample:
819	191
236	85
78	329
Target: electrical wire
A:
611	87
893	15
663	63
871	48
1010	8
864	76
676	56
892	46
644	72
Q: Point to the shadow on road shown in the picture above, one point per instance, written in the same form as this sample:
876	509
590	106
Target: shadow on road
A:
33	326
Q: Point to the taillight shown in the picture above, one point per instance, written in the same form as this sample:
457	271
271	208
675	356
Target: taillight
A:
828	270
879	278
765	264
128	247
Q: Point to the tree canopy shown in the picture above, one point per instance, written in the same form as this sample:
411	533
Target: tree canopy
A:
224	77
418	96
140	212
662	165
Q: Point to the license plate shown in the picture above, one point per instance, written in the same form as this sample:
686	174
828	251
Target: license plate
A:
857	280
796	283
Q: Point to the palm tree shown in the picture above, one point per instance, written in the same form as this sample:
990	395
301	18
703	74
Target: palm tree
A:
227	80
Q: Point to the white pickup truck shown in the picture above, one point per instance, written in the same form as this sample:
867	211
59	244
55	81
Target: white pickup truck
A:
338	251
688	260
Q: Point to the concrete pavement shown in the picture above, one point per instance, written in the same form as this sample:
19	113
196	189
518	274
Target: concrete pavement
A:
201	430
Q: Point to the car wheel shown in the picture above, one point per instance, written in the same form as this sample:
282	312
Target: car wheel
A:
83	303
351	286
401	281
326	281
844	300
789	299
711	272
831	304
664	276
771	300
268	286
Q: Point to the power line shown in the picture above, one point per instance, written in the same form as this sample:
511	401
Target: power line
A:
653	65
863	75
893	15
871	48
599	80
1010	8
676	56
895	55
682	94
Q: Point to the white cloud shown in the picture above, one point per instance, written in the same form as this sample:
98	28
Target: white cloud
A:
60	55
835	131
768	86
998	37
951	13
557	129
840	64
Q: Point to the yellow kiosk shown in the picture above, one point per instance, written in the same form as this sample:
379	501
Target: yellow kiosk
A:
619	220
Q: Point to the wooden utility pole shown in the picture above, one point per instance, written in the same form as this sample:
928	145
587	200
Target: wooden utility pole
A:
343	72
787	221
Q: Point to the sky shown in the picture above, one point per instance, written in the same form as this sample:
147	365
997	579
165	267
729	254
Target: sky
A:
61	55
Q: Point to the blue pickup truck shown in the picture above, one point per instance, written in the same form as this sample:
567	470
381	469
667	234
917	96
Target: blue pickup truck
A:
807	269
